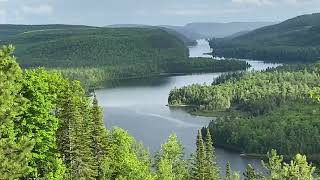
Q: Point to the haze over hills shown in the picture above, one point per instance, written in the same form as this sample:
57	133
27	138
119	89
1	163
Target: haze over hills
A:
196	31
296	39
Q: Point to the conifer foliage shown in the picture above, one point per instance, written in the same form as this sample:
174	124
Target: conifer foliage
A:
50	129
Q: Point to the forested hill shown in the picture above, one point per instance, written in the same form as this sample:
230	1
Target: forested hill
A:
8	30
95	47
296	39
95	55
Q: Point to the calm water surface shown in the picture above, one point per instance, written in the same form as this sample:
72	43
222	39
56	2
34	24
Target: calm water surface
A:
139	106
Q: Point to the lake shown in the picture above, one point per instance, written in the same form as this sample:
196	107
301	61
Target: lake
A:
139	106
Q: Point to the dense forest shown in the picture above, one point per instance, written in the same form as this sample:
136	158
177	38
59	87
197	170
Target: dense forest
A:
50	129
276	109
293	40
95	55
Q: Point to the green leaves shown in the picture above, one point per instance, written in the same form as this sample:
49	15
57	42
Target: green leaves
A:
169	160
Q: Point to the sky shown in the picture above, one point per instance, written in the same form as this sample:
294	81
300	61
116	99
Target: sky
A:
151	12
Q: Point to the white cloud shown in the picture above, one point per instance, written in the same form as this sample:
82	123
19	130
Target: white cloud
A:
253	2
271	2
38	9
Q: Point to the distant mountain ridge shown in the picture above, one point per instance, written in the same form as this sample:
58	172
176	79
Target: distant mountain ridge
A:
199	30
296	39
220	30
7	30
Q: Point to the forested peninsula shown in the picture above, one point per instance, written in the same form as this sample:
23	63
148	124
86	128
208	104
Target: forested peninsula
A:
259	111
96	55
50	129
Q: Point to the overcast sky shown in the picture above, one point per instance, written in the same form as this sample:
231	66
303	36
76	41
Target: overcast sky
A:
153	12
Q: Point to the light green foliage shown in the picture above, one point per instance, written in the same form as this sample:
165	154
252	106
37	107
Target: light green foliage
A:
250	174
38	121
165	170
15	152
170	159
298	168
123	159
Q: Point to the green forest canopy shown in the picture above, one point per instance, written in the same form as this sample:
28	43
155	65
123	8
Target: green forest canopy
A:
51	130
293	40
94	55
266	110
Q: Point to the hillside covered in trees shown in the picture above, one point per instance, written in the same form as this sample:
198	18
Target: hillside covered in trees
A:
95	55
295	39
263	110
51	130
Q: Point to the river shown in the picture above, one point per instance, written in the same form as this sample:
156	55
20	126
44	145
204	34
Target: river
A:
139	106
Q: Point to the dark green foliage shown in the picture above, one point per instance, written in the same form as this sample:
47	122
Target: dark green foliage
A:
211	165
228	171
99	136
199	169
275	111
95	55
296	39
75	130
96	76
96	47
9	30
204	165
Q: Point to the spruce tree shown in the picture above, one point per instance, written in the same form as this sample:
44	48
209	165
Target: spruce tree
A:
250	174
75	116
199	164
228	171
15	152
211	165
99	138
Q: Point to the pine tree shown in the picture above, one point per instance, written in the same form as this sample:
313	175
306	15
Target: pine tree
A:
199	168
228	171
75	116
211	165
99	138
15	152
250	174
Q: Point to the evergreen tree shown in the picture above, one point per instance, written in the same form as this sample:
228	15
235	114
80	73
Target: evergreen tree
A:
228	171
199	164
164	170
171	155
211	165
77	154
123	160
15	152
250	174
99	138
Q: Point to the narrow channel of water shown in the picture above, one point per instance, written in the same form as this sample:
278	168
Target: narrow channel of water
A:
139	106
